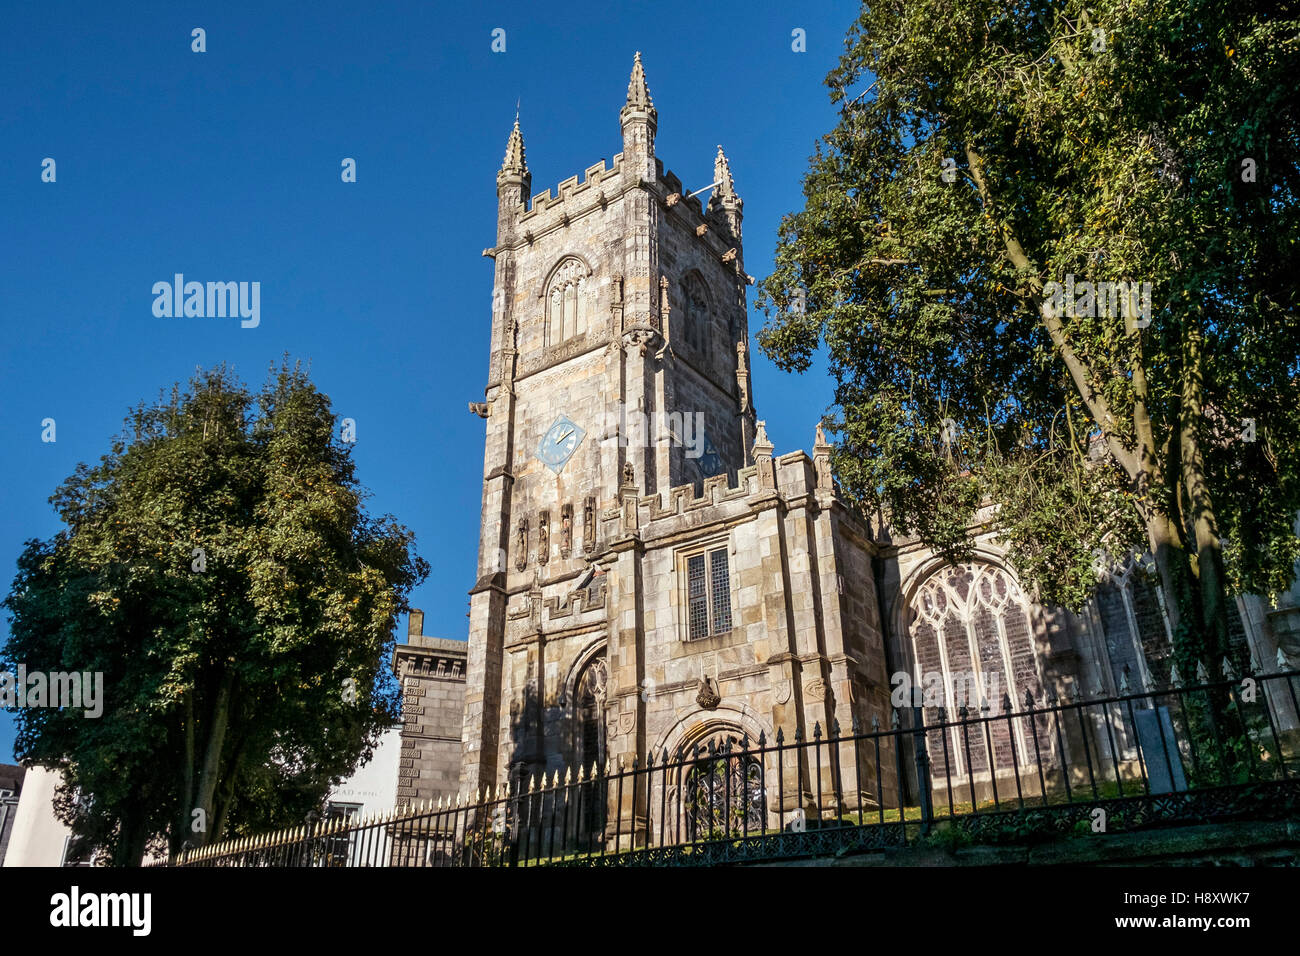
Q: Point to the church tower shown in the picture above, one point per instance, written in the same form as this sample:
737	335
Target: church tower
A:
618	369
654	581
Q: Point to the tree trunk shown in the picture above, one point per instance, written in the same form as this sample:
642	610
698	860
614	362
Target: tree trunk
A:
128	848
184	818
232	775
1171	565
1208	568
216	734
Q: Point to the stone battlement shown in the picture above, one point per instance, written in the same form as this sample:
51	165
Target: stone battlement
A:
572	188
794	474
681	499
595	175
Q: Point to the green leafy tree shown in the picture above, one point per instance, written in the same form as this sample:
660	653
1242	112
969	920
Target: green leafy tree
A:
986	150
218	568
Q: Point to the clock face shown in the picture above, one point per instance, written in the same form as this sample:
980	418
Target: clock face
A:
710	462
559	443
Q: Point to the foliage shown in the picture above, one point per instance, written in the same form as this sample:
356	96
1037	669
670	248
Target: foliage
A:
947	837
986	150
218	567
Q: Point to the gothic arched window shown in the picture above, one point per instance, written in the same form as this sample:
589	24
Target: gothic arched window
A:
1129	610
973	647
696	313
566	302
590	703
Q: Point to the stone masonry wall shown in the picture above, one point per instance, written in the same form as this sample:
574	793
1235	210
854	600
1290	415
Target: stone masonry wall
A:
432	672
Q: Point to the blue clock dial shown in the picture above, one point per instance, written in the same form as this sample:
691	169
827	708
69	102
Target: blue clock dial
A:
559	443
710	462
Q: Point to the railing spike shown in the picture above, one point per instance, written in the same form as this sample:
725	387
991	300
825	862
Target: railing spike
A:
568	776
1123	680
1283	662
817	730
1006	703
875	723
1029	699
1202	675
1229	672
762	739
894	721
835	728
1175	678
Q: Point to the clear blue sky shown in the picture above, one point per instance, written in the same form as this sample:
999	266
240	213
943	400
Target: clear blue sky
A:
225	166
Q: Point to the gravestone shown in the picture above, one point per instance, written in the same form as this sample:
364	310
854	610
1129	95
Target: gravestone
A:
1160	750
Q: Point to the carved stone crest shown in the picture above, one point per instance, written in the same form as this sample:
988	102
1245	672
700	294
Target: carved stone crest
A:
708	696
815	689
626	723
781	691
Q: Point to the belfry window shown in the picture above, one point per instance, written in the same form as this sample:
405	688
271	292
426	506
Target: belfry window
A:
708	593
566	302
696	313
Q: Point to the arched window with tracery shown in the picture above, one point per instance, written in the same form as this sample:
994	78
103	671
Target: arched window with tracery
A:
566	302
1128	611
696	313
973	645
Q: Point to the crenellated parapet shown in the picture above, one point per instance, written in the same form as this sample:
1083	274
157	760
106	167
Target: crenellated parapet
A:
796	479
586	191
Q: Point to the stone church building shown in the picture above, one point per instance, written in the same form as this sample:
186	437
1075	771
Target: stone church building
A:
651	574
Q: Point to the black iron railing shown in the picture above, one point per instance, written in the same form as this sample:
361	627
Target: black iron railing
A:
1211	751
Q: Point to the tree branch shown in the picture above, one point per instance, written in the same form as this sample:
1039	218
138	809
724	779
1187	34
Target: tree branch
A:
1079	371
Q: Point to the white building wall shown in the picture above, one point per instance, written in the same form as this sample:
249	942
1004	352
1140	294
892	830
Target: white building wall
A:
38	838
